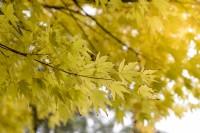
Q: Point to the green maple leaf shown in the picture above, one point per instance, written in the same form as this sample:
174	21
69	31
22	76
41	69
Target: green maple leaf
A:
99	100
9	13
117	89
147	92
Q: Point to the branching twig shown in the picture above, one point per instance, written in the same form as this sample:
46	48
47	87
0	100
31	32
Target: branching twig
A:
93	29
98	24
20	53
36	121
62	8
12	50
105	30
75	19
124	1
72	15
60	69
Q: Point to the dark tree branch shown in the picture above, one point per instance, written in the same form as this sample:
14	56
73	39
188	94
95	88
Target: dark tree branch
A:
12	50
124	1
92	28
36	120
17	52
105	30
85	35
98	24
60	69
75	19
62	8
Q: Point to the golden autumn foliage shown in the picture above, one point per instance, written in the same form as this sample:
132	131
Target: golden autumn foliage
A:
57	55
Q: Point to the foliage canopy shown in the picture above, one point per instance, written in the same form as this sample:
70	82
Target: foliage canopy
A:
58	59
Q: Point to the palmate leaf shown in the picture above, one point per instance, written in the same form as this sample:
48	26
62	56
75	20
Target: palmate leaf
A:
147	92
9	13
88	70
121	65
81	99
148	75
103	67
117	89
58	74
38	86
54	120
99	100
55	92
24	88
128	72
77	48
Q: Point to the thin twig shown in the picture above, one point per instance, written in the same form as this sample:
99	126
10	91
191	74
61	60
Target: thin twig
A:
62	8
24	54
105	30
86	36
60	69
98	24
93	29
124	1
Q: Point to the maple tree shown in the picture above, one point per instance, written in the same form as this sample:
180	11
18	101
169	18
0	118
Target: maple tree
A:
58	59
